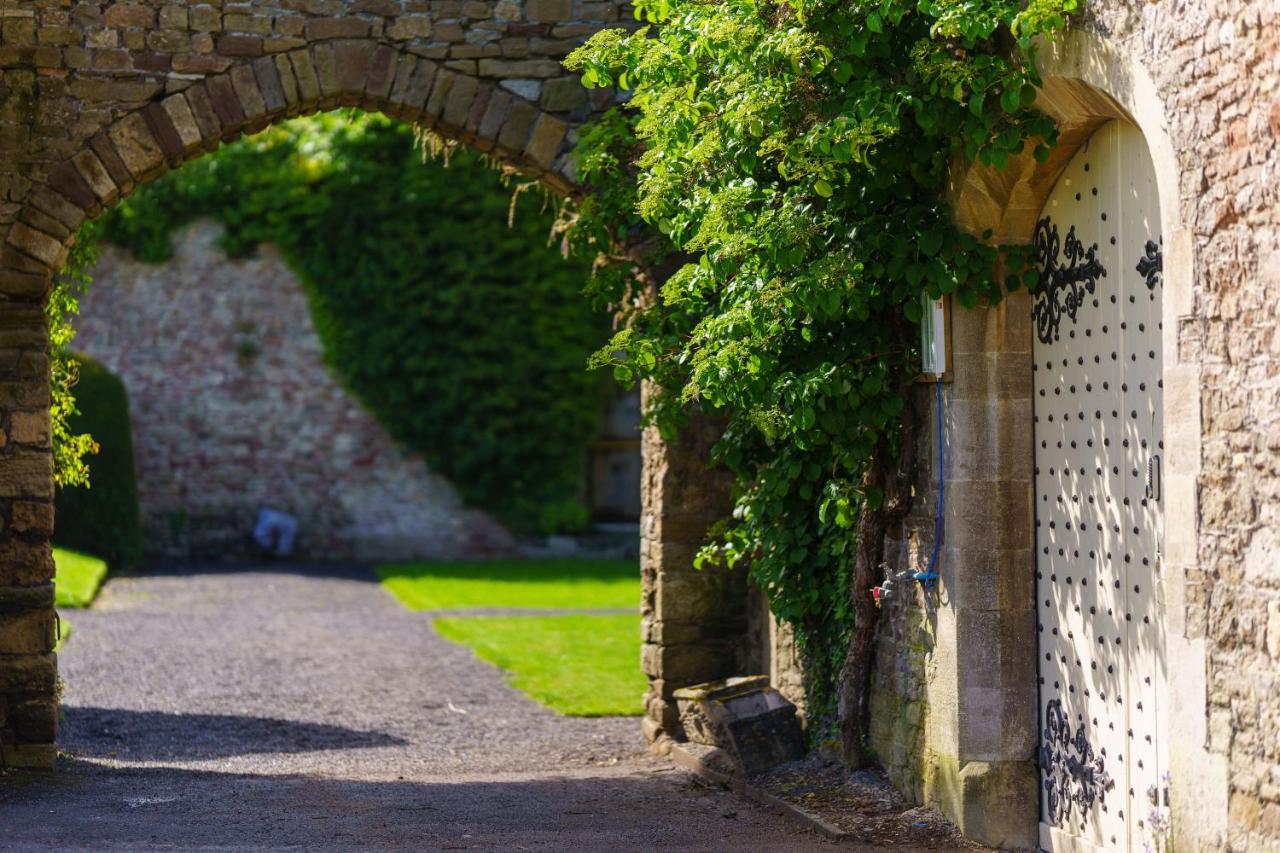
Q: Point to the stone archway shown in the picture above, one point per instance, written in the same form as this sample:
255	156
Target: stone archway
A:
100	100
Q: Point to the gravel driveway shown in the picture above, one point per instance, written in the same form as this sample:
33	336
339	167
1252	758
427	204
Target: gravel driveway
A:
299	708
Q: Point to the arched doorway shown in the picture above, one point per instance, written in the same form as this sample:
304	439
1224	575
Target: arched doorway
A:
1099	442
1096	92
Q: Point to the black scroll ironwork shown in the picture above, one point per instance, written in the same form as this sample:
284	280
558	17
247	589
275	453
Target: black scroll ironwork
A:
1073	776
1063	282
1151	265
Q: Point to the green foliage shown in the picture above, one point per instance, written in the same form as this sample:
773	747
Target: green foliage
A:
465	335
70	448
581	665
797	152
99	515
552	583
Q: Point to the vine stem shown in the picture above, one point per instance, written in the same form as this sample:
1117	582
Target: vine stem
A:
874	527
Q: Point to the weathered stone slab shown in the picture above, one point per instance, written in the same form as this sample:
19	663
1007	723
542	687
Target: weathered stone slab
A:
753	723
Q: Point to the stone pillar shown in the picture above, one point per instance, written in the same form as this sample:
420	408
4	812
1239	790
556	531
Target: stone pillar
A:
982	687
693	621
28	667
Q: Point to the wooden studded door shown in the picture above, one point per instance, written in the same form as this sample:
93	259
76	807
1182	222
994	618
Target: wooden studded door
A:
1098	449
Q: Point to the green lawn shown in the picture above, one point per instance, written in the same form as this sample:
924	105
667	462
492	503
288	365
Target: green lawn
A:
514	583
582	666
78	577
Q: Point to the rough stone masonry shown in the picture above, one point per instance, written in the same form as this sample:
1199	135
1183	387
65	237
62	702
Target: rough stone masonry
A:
97	97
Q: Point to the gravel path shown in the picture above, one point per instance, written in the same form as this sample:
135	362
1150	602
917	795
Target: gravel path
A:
303	709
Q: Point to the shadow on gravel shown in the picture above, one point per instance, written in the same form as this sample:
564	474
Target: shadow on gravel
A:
337	571
159	736
85	805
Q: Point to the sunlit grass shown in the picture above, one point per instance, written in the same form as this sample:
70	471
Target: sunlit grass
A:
581	666
77	578
566	583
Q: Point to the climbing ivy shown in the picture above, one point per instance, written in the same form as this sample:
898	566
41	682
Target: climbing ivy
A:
70	448
796	153
436	296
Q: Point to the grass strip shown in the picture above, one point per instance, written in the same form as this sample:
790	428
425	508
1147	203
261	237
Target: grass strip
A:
580	666
560	583
77	579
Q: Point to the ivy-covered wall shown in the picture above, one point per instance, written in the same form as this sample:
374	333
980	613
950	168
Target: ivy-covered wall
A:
438	299
232	408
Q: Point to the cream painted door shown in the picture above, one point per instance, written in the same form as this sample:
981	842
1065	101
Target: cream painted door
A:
1098	455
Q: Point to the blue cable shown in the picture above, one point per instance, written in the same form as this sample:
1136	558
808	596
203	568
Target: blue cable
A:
928	577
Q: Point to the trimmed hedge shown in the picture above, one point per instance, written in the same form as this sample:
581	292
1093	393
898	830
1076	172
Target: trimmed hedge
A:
466	336
102	518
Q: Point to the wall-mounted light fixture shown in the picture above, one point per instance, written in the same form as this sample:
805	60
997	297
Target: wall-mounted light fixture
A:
935	339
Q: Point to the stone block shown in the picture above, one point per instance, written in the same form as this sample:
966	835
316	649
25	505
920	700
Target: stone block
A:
204	19
31	674
563	94
382	72
106	151
458	107
494	115
268	78
136	15
245	84
28	474
33	720
409	27
288	82
304	72
37	244
25	287
31	756
240	45
326	71
95	176
318	29
545	140
61	208
746	718
479	106
137	146
183	122
549	10
197	63
351	62
32	517
173	17
28	632
505	68
242	23
67	180
31	428
165	133
205	115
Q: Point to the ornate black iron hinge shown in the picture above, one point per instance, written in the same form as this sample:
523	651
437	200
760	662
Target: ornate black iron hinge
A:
1062	288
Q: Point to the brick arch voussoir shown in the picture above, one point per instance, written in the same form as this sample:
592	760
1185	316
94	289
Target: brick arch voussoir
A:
161	135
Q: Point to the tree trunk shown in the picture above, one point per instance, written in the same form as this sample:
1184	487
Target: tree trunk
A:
868	571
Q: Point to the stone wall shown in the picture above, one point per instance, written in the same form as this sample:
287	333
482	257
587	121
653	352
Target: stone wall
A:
97	97
696	625
1215	67
232	409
